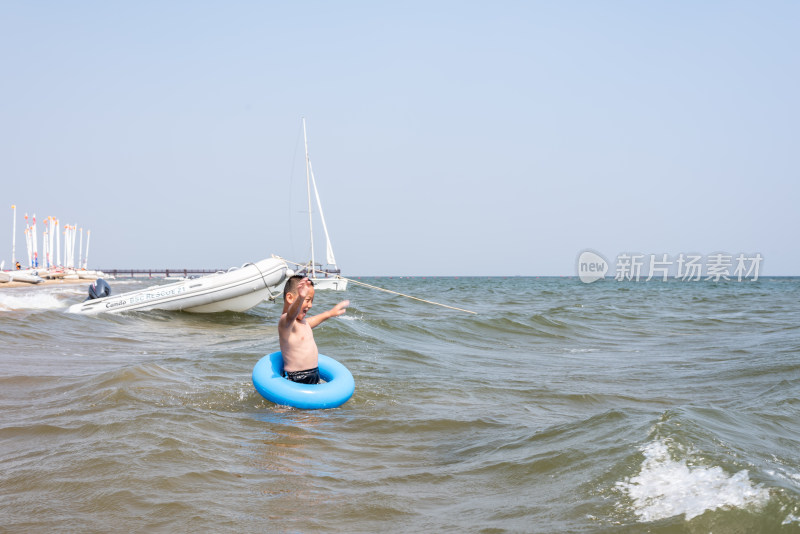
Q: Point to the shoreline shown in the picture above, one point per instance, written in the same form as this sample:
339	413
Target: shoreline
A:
54	282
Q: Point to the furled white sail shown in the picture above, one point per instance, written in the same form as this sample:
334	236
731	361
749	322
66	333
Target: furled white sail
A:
328	248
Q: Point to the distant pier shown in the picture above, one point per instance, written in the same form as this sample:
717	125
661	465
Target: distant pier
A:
158	273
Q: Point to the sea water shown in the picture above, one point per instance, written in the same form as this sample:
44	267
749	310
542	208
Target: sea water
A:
558	407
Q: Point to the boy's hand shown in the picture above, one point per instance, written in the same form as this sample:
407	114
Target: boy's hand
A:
340	308
303	288
336	311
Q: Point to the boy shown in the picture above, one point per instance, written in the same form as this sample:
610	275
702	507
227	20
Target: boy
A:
300	354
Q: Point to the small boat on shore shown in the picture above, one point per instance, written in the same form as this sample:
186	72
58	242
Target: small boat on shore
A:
83	274
30	277
236	290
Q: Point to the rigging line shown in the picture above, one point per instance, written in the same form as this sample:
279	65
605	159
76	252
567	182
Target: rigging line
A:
407	296
263	279
291	181
387	290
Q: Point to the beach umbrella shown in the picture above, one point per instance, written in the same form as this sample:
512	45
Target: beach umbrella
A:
86	256
35	245
58	246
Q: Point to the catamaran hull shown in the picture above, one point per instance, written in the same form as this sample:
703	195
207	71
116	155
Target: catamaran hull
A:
325	284
25	276
236	290
332	284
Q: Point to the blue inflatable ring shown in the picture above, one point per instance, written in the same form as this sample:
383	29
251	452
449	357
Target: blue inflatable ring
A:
269	382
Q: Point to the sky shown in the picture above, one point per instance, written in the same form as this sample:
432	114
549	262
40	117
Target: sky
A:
447	138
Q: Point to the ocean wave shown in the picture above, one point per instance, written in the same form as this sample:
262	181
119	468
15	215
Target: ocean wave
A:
561	407
668	485
30	301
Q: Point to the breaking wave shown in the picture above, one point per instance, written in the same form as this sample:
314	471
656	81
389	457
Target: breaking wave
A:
666	487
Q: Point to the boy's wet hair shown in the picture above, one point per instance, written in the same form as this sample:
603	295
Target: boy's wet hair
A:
291	284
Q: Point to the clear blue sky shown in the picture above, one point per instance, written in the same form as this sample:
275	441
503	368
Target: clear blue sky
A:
463	138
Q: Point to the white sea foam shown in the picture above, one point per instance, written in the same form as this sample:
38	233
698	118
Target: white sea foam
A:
791	518
666	487
30	301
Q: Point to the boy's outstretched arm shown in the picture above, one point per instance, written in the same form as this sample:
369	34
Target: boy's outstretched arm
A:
336	311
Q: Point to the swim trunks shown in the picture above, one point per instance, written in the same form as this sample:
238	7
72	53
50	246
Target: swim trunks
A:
308	376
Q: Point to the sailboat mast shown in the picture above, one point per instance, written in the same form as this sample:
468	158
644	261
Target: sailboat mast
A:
14	238
308	189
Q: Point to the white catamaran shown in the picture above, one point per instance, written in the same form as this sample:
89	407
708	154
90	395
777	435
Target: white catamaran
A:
328	276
